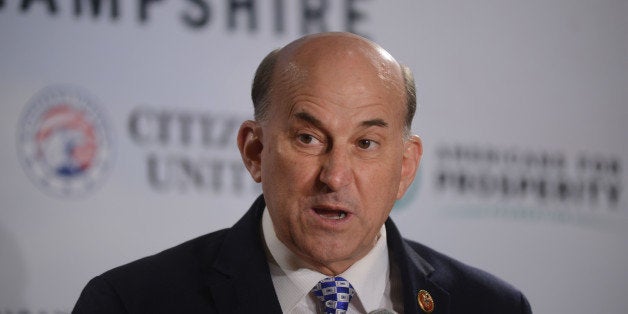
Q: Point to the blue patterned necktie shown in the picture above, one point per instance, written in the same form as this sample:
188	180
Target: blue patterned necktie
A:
335	293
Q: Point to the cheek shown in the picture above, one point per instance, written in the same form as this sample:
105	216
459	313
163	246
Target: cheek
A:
380	176
286	172
378	185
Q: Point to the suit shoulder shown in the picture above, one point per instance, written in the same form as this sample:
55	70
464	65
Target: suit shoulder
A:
179	264
455	271
469	284
150	284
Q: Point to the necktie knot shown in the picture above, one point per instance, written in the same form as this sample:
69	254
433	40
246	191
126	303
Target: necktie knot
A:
335	293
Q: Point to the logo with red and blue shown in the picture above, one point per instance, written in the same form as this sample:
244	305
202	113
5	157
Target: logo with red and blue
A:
64	142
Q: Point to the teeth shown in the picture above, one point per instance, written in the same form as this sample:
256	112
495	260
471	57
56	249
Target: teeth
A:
337	216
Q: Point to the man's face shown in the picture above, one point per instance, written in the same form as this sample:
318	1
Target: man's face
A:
334	158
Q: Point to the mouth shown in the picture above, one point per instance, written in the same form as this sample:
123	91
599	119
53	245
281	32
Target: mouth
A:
331	213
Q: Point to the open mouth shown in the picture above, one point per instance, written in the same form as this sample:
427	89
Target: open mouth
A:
331	213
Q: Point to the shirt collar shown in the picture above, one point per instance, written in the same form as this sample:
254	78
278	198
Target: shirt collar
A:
369	276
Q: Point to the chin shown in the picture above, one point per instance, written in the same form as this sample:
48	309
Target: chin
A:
327	257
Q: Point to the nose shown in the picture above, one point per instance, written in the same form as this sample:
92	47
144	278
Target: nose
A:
336	171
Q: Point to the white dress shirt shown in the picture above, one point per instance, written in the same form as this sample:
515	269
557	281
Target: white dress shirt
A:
294	279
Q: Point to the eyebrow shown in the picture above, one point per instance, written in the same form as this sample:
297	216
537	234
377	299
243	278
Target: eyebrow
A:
317	123
375	122
308	118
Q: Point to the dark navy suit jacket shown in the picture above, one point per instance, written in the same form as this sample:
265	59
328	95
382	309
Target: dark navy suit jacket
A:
227	272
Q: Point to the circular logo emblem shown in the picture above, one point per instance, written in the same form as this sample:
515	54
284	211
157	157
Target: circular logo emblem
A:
425	301
63	141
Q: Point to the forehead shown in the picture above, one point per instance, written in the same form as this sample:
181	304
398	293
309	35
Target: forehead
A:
348	74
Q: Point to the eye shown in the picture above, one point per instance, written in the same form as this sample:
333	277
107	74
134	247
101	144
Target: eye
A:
366	144
306	138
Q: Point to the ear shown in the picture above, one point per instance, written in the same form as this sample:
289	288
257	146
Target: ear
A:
412	152
250	146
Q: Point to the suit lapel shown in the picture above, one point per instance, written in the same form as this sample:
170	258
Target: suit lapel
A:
239	279
415	273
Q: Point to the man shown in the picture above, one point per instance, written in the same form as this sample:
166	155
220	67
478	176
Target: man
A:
332	148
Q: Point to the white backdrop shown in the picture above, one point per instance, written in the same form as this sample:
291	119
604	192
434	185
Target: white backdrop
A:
119	135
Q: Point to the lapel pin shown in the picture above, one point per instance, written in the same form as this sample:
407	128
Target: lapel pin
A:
425	301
